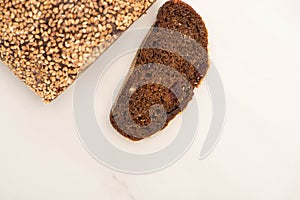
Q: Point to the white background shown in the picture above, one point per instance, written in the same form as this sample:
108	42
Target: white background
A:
255	46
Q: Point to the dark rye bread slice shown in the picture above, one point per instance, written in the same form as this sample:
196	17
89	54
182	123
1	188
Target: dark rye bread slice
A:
170	63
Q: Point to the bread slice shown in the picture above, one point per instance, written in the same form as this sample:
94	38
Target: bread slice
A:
170	63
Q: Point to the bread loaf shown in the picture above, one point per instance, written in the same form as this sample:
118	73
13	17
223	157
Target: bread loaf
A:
48	43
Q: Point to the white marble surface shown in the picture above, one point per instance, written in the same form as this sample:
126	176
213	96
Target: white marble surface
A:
255	45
